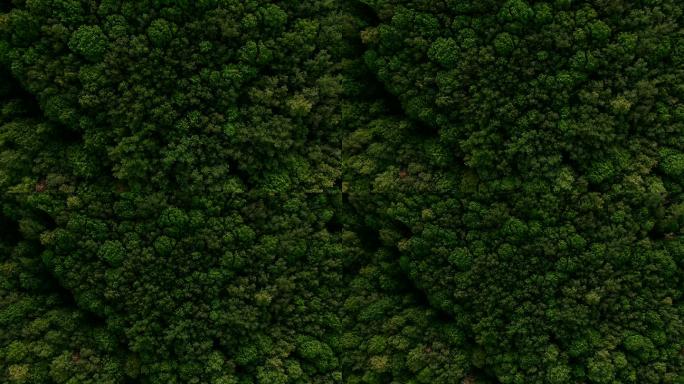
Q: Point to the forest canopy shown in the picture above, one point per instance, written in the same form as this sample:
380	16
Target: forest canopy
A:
341	191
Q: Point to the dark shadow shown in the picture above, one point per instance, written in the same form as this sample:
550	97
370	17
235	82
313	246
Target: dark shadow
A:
364	12
9	231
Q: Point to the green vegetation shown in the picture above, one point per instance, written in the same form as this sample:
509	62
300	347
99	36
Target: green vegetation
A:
342	191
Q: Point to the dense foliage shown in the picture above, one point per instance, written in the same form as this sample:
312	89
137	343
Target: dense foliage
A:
557	245
356	191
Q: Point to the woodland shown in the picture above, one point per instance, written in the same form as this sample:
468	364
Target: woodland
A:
342	191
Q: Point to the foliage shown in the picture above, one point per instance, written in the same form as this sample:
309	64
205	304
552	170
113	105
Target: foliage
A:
557	245
364	191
